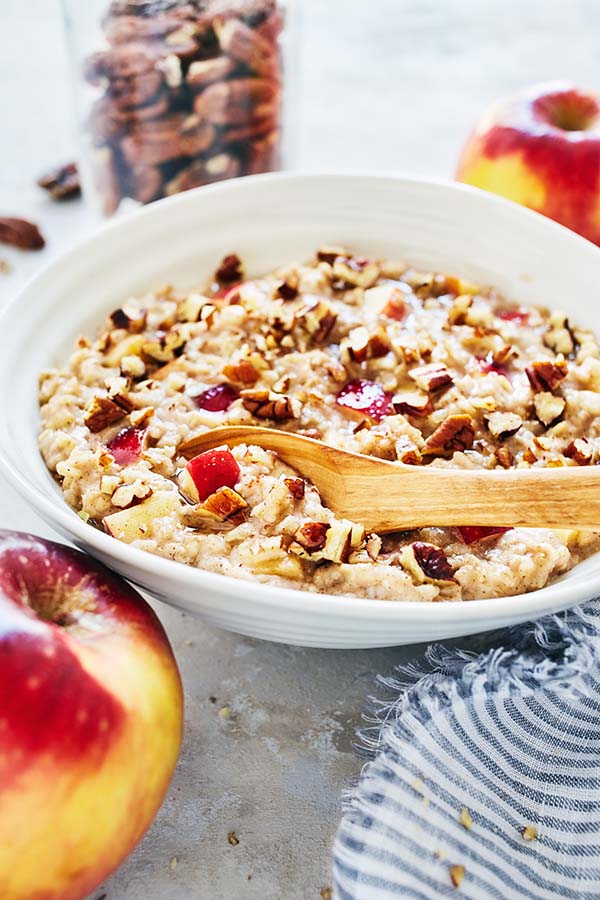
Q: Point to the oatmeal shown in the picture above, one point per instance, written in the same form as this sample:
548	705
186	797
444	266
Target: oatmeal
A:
367	355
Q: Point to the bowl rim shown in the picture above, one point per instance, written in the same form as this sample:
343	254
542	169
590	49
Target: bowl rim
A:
577	585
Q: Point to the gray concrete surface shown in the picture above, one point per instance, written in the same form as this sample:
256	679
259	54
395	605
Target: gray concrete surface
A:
391	84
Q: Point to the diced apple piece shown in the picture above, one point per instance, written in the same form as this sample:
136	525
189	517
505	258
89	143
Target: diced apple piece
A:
386	300
365	398
135	522
472	534
212	470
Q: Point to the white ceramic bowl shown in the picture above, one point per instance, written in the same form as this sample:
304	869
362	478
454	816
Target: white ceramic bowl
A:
270	220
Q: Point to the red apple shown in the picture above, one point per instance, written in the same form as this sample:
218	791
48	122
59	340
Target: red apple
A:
541	148
206	473
90	719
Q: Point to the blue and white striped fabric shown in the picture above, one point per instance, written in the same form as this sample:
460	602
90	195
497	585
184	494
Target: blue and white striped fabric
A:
468	754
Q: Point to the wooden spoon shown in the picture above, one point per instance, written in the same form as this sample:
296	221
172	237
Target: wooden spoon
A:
389	496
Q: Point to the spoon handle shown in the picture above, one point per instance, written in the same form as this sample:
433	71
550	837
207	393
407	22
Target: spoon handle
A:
532	498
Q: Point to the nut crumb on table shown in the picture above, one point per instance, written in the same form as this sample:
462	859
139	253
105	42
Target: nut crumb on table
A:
369	355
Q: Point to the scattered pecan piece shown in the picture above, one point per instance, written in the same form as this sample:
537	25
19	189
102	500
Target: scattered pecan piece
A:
356	271
580	451
164	347
548	408
62	183
427	564
101	413
241	373
529	456
559	336
431	377
118	391
312	536
412	403
545	375
503	425
20	233
456	433
457	314
230	269
288	289
296	487
132	320
330	254
386	300
504	457
224	503
267	405
318	319
407	452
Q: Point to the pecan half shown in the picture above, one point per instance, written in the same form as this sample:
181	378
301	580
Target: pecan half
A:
580	451
62	183
545	375
235	102
431	377
101	413
312	536
230	269
155	142
296	487
207	71
456	433
427	563
548	408
267	405
20	233
412	403
503	425
245	45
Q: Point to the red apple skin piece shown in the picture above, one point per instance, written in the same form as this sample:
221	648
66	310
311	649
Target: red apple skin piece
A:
126	446
365	398
473	533
211	470
91	715
217	398
541	148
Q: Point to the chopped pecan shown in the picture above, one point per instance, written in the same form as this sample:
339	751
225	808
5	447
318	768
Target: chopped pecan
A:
407	452
131	494
559	336
457	314
545	375
503	425
427	564
230	269
318	319
412	403
360	345
133	320
20	233
101	413
241	373
431	377
504	355
580	451
288	289
118	391
267	405
165	346
456	433
194	309
330	254
529	456
373	545
504	457
356	270
312	536
62	183
548	408
296	487
225	503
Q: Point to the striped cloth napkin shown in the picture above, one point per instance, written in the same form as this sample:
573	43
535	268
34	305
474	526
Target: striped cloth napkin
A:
484	776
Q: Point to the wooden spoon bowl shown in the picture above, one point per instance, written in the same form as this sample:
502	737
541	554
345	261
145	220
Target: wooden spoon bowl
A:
390	496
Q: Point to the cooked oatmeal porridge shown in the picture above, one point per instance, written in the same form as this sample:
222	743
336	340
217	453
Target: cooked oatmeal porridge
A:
371	356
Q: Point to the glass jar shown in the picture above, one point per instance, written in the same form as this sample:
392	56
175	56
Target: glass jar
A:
174	94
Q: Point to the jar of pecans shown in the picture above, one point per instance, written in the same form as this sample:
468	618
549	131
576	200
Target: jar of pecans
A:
174	94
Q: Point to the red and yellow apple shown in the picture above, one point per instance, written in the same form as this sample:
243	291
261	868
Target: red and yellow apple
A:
541	148
90	719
